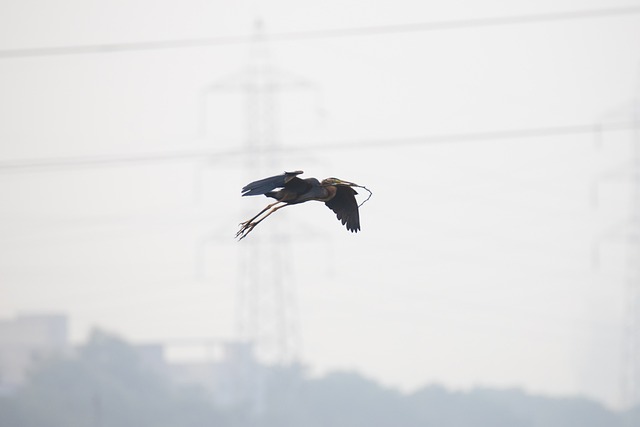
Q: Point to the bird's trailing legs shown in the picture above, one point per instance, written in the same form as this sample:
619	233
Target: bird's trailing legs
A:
247	226
269	206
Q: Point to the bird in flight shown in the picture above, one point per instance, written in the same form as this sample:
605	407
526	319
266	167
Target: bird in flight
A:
287	189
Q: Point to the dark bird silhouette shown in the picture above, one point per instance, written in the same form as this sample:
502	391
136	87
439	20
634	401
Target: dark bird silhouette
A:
338	195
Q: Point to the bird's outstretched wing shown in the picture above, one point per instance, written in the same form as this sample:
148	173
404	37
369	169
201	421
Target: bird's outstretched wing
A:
345	206
263	186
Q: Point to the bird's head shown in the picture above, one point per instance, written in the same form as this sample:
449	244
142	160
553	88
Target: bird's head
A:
334	181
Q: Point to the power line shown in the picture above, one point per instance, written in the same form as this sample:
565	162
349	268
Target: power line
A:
64	162
456	24
523	133
53	163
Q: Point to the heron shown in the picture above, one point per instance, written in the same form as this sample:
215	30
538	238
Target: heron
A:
287	189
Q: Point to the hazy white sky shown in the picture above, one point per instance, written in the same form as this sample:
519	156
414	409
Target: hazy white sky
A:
474	264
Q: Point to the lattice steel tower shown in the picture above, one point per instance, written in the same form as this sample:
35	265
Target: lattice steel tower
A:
266	312
631	352
629	233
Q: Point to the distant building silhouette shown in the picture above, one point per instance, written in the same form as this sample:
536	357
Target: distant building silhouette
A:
231	378
27	340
